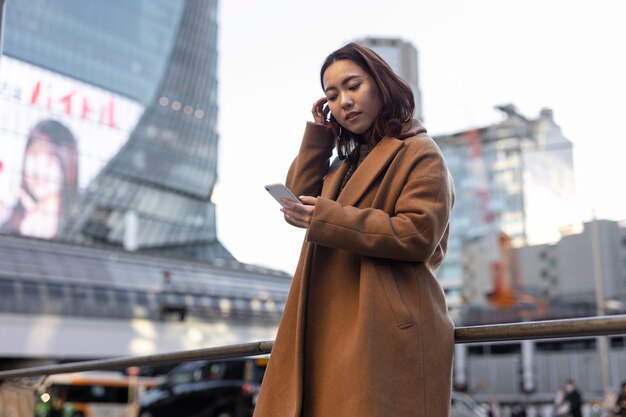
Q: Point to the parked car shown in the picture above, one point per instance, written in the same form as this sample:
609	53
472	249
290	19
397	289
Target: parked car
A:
225	388
465	406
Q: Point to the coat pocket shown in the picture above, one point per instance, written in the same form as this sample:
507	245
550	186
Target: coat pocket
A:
401	313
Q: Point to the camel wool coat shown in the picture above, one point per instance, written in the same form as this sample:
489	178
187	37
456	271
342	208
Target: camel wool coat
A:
365	330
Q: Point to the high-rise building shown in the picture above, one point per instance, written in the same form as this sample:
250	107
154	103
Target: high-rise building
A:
132	89
108	114
403	58
515	177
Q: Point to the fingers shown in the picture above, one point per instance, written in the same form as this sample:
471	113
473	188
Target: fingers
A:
294	222
297	219
299	214
306	204
319	112
307	199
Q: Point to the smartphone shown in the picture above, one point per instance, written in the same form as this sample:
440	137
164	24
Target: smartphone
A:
279	191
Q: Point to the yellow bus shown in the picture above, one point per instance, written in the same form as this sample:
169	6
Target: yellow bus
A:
91	394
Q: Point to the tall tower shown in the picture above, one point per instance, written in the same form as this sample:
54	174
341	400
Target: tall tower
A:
170	157
403	58
145	184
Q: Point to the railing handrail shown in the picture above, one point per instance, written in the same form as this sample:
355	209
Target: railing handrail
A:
546	329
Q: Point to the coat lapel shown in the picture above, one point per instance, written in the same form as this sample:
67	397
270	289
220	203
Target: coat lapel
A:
368	171
333	179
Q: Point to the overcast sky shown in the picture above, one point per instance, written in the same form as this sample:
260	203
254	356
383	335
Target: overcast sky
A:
567	55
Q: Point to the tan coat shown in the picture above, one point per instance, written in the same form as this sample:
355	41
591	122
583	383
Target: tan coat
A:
366	331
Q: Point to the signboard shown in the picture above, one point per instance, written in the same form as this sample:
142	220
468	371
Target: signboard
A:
56	134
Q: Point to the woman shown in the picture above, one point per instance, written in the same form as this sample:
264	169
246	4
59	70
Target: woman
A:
49	181
365	331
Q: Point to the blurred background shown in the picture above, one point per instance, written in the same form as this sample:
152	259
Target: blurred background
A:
137	137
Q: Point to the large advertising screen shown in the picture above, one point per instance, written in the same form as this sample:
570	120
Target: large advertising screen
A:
56	133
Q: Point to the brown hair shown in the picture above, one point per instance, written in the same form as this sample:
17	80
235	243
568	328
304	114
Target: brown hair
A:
398	104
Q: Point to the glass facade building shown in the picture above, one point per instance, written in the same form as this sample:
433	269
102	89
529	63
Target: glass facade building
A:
515	177
108	114
134	85
117	45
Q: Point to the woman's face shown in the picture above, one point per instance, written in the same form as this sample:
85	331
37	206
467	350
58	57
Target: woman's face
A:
42	169
353	96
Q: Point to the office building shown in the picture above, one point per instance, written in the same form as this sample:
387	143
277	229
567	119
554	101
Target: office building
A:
108	114
572	269
547	281
515	177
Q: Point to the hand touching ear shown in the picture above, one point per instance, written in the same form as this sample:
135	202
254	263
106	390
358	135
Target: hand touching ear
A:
322	116
320	112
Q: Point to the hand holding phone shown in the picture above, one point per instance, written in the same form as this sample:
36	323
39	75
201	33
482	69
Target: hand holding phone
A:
279	191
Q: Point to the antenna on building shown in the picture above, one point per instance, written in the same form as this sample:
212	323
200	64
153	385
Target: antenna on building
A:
510	110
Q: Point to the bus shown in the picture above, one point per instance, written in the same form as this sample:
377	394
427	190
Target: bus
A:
91	394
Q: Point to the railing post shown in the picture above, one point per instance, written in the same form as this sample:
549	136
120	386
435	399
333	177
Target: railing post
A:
460	366
528	366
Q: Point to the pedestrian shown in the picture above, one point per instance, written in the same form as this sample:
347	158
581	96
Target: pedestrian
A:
560	406
494	407
620	403
365	330
574	398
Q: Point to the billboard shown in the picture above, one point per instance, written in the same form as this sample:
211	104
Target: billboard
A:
56	134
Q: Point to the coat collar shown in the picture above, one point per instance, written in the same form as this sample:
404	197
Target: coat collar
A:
377	160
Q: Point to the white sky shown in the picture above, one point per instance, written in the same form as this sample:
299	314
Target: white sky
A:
568	55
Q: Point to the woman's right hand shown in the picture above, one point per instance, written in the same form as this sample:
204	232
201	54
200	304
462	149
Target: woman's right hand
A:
299	214
320	113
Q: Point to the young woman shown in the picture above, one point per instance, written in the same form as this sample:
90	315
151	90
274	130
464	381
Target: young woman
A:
365	331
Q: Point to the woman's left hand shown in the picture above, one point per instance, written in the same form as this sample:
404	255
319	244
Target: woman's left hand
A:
299	214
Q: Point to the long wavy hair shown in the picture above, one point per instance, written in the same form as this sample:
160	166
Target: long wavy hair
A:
398	104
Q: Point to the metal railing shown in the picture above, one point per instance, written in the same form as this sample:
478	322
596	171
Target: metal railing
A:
547	329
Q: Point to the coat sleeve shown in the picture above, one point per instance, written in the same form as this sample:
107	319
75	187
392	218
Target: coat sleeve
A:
411	233
307	172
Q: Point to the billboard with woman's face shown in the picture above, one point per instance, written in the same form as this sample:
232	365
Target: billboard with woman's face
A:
56	134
